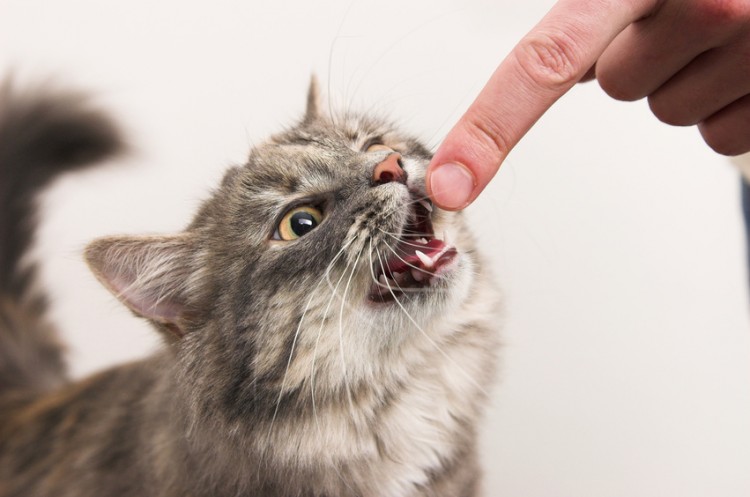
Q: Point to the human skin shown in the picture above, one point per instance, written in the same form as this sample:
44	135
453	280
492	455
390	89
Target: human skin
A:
690	58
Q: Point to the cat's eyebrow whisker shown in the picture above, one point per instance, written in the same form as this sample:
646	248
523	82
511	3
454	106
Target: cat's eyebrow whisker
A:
373	64
336	37
432	342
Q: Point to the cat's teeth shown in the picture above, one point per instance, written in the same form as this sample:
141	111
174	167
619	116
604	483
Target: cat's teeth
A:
426	260
418	275
383	280
399	277
426	205
423	241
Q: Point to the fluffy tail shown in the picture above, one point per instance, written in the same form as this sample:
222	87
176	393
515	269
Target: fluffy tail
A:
42	134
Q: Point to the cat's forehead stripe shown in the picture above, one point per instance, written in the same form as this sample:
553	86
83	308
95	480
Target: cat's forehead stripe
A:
290	169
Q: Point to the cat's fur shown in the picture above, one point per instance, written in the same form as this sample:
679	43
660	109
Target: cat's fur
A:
278	377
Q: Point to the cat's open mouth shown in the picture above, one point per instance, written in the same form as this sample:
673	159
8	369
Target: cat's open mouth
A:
417	261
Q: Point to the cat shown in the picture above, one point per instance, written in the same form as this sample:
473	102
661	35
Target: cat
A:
327	330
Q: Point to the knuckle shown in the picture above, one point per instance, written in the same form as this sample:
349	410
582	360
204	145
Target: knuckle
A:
488	134
613	85
670	113
550	60
723	143
723	12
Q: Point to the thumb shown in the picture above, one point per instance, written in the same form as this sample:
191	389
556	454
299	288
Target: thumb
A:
549	61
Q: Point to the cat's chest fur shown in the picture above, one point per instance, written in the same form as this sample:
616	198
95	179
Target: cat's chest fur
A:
417	440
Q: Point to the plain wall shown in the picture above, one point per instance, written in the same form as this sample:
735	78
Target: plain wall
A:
617	240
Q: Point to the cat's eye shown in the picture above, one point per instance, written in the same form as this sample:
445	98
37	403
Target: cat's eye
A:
298	222
379	147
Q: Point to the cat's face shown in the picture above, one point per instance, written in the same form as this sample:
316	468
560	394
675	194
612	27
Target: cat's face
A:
316	262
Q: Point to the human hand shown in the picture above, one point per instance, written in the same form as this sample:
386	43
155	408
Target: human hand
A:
691	58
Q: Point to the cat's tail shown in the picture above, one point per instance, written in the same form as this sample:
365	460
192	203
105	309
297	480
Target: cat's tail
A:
42	134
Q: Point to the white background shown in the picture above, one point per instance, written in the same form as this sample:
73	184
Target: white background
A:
617	240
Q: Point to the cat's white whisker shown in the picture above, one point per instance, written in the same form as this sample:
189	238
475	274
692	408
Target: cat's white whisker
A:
409	203
297	332
341	333
317	341
327	272
315	353
413	242
416	271
433	343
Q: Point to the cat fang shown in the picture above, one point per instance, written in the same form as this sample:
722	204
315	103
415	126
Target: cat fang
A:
419	260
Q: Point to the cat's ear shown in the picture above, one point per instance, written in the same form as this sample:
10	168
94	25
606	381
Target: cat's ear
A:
148	274
314	101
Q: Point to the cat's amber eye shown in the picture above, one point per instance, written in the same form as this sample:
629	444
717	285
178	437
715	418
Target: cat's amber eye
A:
298	222
378	147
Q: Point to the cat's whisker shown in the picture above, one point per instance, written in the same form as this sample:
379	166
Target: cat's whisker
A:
404	260
315	354
401	238
341	333
407	204
327	273
432	342
317	341
297	332
330	283
409	290
378	283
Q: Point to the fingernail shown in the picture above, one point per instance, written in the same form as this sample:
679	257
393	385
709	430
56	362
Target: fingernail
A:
451	186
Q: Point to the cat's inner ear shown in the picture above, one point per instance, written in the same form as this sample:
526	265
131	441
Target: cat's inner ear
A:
147	274
314	101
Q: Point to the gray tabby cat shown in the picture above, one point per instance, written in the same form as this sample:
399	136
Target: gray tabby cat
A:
328	332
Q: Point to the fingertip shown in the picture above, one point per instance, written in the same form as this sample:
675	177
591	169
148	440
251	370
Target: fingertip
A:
451	185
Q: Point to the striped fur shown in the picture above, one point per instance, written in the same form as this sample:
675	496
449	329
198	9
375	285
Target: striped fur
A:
278	377
42	134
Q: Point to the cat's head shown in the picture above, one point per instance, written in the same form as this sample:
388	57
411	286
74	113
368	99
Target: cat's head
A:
319	261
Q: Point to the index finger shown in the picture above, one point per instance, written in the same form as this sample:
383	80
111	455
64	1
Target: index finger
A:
547	62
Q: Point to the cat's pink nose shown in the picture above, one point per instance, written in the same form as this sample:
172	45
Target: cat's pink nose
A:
389	170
